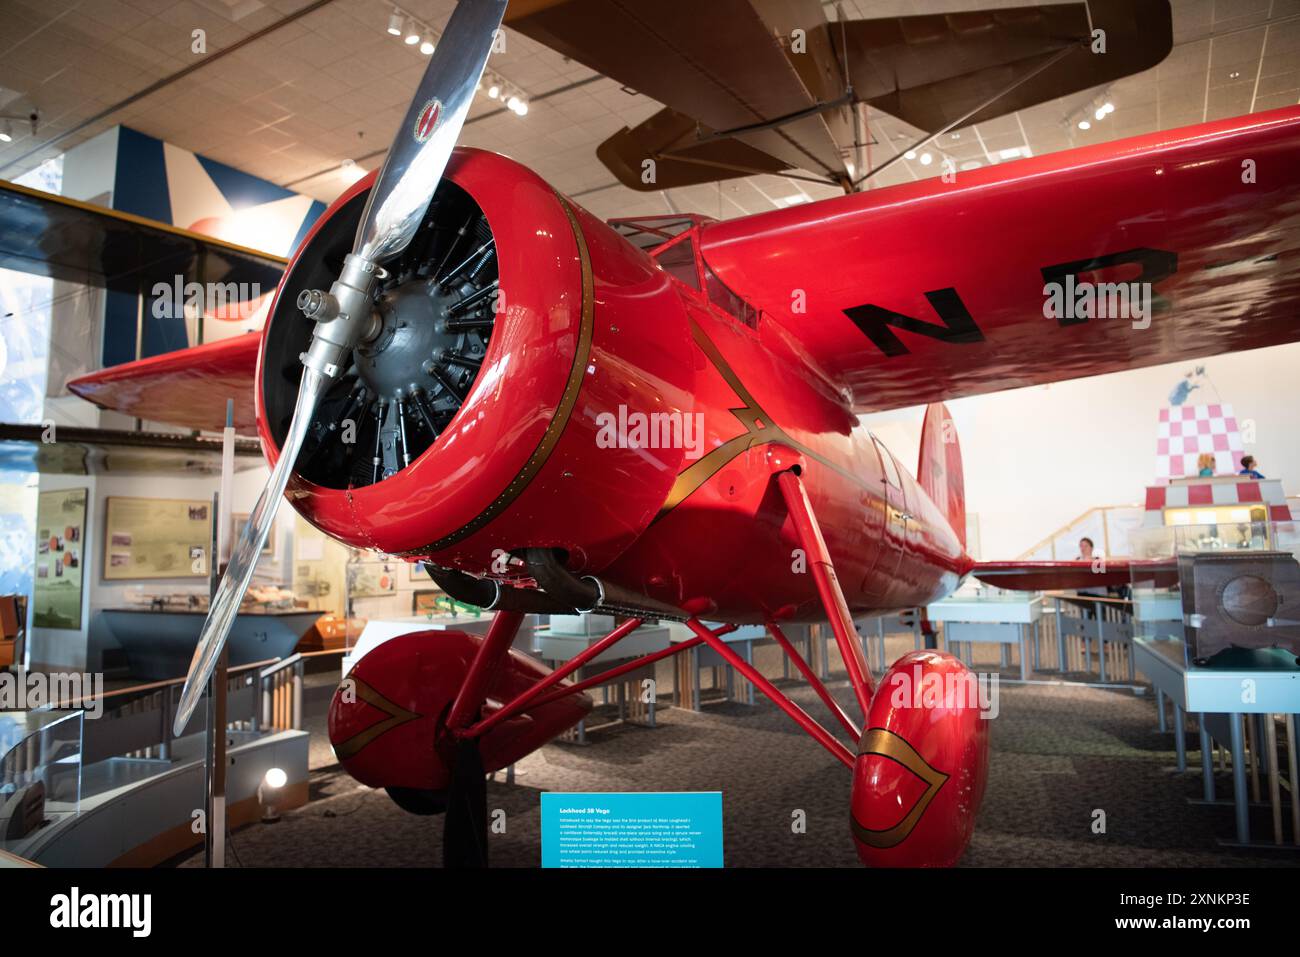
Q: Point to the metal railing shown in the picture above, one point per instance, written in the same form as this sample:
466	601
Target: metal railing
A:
261	697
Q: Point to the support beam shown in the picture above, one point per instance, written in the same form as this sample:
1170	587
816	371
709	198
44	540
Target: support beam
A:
612	673
522	701
855	734
755	677
819	562
495	646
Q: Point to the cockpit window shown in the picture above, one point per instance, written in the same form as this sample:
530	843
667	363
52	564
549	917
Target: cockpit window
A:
679	260
721	296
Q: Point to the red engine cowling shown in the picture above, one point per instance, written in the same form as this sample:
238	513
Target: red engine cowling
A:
473	415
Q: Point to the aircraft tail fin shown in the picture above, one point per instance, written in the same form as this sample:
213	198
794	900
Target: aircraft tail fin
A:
939	470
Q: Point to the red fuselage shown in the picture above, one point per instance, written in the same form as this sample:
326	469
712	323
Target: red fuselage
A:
593	338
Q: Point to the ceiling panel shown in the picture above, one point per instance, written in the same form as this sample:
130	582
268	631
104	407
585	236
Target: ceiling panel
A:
300	103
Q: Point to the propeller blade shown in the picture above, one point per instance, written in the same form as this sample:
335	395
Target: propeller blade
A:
394	209
243	560
424	141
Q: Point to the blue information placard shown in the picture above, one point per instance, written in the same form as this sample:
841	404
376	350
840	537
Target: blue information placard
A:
632	829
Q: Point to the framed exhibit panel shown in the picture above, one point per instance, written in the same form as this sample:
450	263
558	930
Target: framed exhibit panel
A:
147	538
60	539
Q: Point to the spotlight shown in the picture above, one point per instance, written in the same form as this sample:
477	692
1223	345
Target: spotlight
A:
910	154
426	48
350	172
1099	114
7	134
494	91
926	159
412	33
513	103
523	108
267	792
1085	125
395	23
1108	106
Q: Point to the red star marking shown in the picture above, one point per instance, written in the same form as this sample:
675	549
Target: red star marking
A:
428	121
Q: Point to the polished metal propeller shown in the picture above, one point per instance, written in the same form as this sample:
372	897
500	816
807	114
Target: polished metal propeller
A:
345	315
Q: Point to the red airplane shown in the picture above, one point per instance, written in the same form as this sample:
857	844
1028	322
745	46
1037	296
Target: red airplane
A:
658	418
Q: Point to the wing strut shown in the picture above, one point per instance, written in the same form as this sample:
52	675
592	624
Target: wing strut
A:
961	120
810	538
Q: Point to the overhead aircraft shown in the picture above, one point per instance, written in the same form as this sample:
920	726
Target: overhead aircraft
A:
455	343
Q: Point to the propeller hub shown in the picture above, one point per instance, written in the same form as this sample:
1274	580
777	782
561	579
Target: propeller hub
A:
412	335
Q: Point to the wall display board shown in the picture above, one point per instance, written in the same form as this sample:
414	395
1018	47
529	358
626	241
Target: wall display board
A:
156	538
60	557
368	579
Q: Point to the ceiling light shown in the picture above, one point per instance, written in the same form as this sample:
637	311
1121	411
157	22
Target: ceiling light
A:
513	103
494	91
926	159
412	33
426	47
1234	74
523	108
7	134
1085	125
910	154
1099	114
395	23
1108	106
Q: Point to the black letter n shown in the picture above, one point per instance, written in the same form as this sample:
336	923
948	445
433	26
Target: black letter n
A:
958	326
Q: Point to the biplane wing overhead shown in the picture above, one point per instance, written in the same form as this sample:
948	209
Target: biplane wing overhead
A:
49	235
757	86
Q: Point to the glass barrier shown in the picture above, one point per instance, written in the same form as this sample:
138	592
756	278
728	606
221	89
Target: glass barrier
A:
1226	589
40	771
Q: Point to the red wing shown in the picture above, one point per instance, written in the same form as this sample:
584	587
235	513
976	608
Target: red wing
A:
188	387
1043	576
936	289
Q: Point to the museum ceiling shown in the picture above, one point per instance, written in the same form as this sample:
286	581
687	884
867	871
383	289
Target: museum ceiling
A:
307	100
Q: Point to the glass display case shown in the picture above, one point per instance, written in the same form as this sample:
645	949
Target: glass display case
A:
1221	587
40	772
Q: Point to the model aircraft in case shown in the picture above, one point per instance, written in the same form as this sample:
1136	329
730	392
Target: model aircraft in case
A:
658	418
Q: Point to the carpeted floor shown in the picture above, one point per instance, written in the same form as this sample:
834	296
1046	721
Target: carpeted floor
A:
1059	754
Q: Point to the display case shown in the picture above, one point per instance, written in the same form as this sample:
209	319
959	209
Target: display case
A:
40	772
1224	588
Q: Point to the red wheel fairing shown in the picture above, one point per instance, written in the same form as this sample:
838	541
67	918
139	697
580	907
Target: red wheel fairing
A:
922	765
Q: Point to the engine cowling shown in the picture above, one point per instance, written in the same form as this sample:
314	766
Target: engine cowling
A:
469	425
